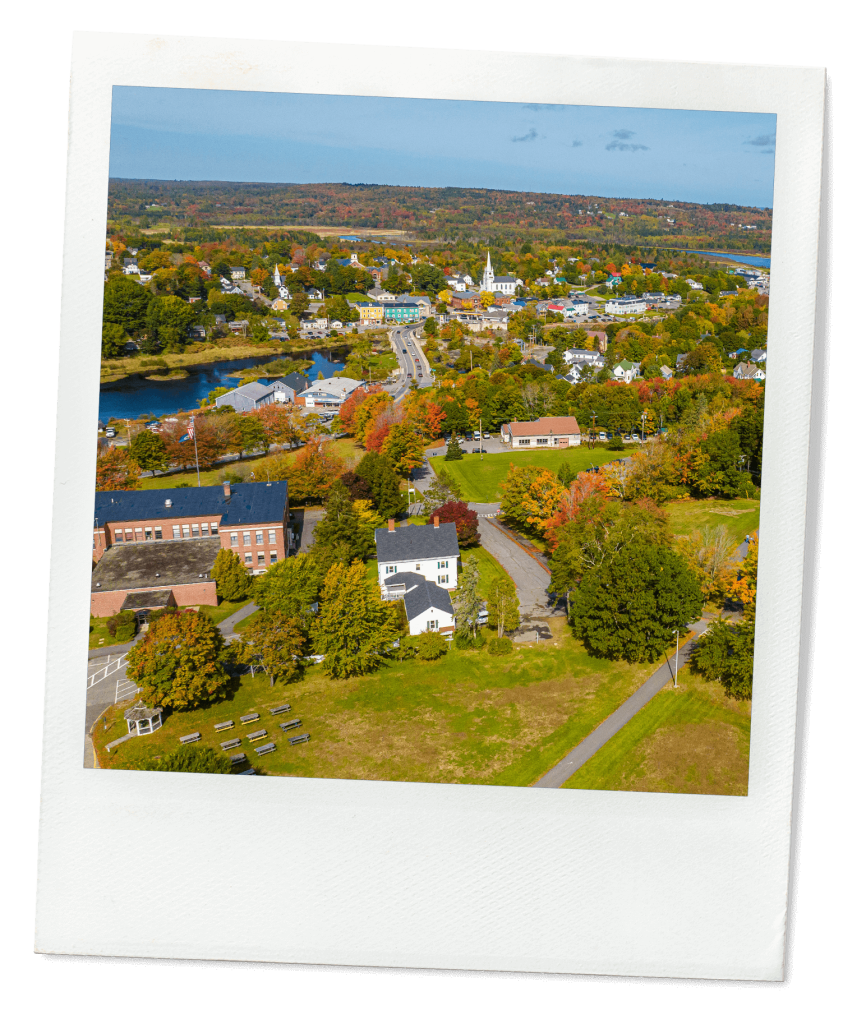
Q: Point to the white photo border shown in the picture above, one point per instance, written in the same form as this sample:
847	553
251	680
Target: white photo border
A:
328	871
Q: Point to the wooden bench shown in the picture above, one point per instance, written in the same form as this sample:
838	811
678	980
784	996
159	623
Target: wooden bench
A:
259	734
281	710
191	738
246	719
249	771
268	748
294	724
238	758
303	738
222	726
228	744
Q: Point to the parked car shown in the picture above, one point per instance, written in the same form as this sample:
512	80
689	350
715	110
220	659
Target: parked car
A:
602	435
404	350
110	432
479	451
476	435
486	435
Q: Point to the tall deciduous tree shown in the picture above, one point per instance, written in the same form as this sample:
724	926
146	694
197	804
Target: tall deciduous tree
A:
148	450
125	303
463	517
355	628
178	662
630	605
274	641
503	607
117	470
290	587
709	553
232	580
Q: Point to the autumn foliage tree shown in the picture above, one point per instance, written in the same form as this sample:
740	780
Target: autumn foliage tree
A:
117	470
274	641
309	472
463	517
530	495
178	662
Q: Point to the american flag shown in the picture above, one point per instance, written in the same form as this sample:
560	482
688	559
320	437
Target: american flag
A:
191	431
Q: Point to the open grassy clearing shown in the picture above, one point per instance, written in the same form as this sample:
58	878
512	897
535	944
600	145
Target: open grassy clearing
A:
480	477
738	516
344	447
99	635
467	718
690	740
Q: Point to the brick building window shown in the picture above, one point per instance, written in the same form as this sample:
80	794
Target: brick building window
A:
204	529
261	558
246	540
273	557
138	534
129	536
185	531
248	558
148	533
260	537
213	528
118	536
272	536
195	529
157	533
175	532
234	540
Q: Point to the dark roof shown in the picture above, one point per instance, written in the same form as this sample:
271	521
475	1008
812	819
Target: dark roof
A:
165	563
416	542
296	381
147	599
248	503
421	594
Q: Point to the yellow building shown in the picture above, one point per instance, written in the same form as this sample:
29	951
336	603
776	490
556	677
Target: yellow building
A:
371	312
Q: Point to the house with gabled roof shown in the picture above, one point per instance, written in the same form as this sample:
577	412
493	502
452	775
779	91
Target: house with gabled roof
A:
430	550
428	606
546	432
749	371
626	371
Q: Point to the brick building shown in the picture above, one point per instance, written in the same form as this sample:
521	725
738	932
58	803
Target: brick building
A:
251	519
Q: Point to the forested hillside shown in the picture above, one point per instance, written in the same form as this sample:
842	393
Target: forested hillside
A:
444	214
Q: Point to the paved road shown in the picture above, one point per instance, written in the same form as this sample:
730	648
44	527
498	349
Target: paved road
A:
578	757
529	575
311	517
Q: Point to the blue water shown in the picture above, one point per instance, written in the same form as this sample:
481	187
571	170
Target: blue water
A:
749	261
136	396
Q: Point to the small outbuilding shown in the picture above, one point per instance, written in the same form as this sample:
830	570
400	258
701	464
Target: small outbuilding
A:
140	721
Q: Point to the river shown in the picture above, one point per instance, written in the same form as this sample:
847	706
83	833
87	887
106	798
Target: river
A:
749	261
137	396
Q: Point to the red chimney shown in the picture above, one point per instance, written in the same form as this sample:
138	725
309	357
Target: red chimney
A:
227	489
390	526
435	522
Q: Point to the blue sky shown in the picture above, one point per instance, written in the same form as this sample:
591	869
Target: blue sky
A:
624	152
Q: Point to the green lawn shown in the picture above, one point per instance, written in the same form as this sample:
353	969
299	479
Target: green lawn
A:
224	609
489	568
692	739
344	447
468	717
99	632
739	516
480	477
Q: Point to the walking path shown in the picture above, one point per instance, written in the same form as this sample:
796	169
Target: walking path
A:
578	757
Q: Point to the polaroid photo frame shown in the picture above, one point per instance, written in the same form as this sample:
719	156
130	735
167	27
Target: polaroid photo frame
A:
295	870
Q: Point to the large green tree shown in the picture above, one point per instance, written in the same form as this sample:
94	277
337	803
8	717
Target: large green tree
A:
355	629
465	599
726	652
629	606
148	450
113	340
125	303
274	641
178	662
233	582
168	320
384	483
341	536
503	606
290	587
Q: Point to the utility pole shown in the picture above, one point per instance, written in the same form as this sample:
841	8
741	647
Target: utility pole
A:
676	656
643	425
592	435
480	441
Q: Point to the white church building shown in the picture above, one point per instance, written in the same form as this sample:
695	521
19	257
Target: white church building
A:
503	285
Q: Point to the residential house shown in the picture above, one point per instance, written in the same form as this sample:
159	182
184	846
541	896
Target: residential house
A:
198	331
547	432
430	551
315	294
428	606
425	306
614	281
205	266
381	295
626	371
624	304
255	395
694	285
653	298
130	266
728	293
681	359
759	355
328	394
666	371
579	307
280	305
238	273
238	326
580	357
749	371
176	534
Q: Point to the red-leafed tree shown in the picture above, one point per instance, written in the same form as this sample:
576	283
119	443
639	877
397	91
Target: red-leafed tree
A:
466	521
117	470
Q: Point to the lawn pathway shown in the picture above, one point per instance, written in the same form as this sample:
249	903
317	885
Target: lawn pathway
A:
577	758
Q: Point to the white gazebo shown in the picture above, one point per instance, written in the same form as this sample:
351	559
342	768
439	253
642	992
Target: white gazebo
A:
141	720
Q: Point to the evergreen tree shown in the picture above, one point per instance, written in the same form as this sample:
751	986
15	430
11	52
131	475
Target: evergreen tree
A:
384	483
454	451
232	580
465	599
341	536
566	474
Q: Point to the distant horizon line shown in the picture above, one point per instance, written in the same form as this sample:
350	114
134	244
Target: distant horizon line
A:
478	188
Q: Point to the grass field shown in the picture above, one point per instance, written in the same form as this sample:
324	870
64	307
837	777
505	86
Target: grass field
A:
468	717
344	447
690	740
479	478
739	516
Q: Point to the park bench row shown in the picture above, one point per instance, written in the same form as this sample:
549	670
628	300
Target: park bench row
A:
261	734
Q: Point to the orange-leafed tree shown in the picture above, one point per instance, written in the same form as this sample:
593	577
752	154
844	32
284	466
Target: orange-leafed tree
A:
349	408
584	486
117	470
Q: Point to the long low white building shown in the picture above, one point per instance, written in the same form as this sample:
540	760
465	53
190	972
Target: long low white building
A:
329	393
623	304
547	432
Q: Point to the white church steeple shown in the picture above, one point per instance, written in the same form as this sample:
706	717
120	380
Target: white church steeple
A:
277	278
487	279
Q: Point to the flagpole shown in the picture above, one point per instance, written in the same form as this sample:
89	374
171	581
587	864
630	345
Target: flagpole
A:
195	442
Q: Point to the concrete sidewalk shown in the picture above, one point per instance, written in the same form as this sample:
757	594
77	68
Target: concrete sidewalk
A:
578	757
